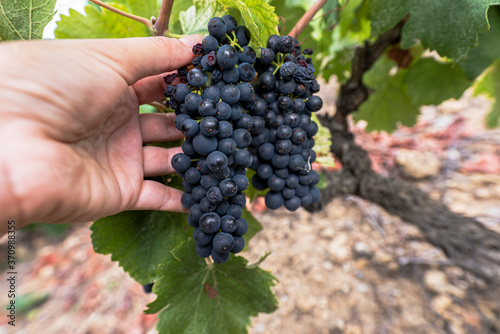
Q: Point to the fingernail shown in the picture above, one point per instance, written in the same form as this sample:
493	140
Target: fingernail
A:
191	40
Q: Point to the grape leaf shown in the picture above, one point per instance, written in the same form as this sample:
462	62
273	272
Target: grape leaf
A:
254	226
99	24
431	82
251	192
334	51
24	19
489	84
389	104
204	298
178	7
140	240
488	50
195	19
449	27
322	145
259	18
143	8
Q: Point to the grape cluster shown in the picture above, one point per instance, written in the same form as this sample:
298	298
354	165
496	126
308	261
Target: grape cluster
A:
282	151
238	111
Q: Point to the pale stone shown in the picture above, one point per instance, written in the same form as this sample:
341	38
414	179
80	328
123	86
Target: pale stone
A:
417	165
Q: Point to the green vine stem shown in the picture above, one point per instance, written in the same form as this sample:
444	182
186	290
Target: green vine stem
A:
140	19
232	41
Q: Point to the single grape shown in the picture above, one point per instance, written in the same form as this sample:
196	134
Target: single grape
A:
225	130
247	55
227	57
239	244
219	257
209	126
204	251
209	43
211	93
207	108
274	200
230	94
197	77
228	188
180	92
201	237
234	210
217	28
228	224
181	162
217	161
232	75
293	203
230	23
193	175
285	44
214	195
314	103
204	145
242	35
189	128
246	72
241	182
209	222
242	137
241	227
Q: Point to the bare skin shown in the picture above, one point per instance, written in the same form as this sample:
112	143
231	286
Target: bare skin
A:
71	134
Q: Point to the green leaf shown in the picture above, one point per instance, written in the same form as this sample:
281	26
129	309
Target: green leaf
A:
323	142
99	24
205	298
488	84
143	8
24	19
259	18
389	104
140	240
195	19
488	50
251	192
178	7
431	82
449	27
253	226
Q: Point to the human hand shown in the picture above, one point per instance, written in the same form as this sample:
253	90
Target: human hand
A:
70	131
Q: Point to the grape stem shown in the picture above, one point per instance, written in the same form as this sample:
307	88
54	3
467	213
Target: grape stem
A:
233	42
306	18
140	19
161	24
158	105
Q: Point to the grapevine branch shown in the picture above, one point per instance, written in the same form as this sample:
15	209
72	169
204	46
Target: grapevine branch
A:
161	24
306	18
125	14
465	241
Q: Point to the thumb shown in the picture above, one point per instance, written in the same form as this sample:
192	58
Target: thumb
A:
137	58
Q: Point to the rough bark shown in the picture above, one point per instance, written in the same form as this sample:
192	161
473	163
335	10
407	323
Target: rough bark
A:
464	240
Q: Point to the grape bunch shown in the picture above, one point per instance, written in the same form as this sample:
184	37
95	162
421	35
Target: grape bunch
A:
282	152
232	106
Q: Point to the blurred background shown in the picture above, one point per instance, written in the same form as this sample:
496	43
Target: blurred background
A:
351	268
